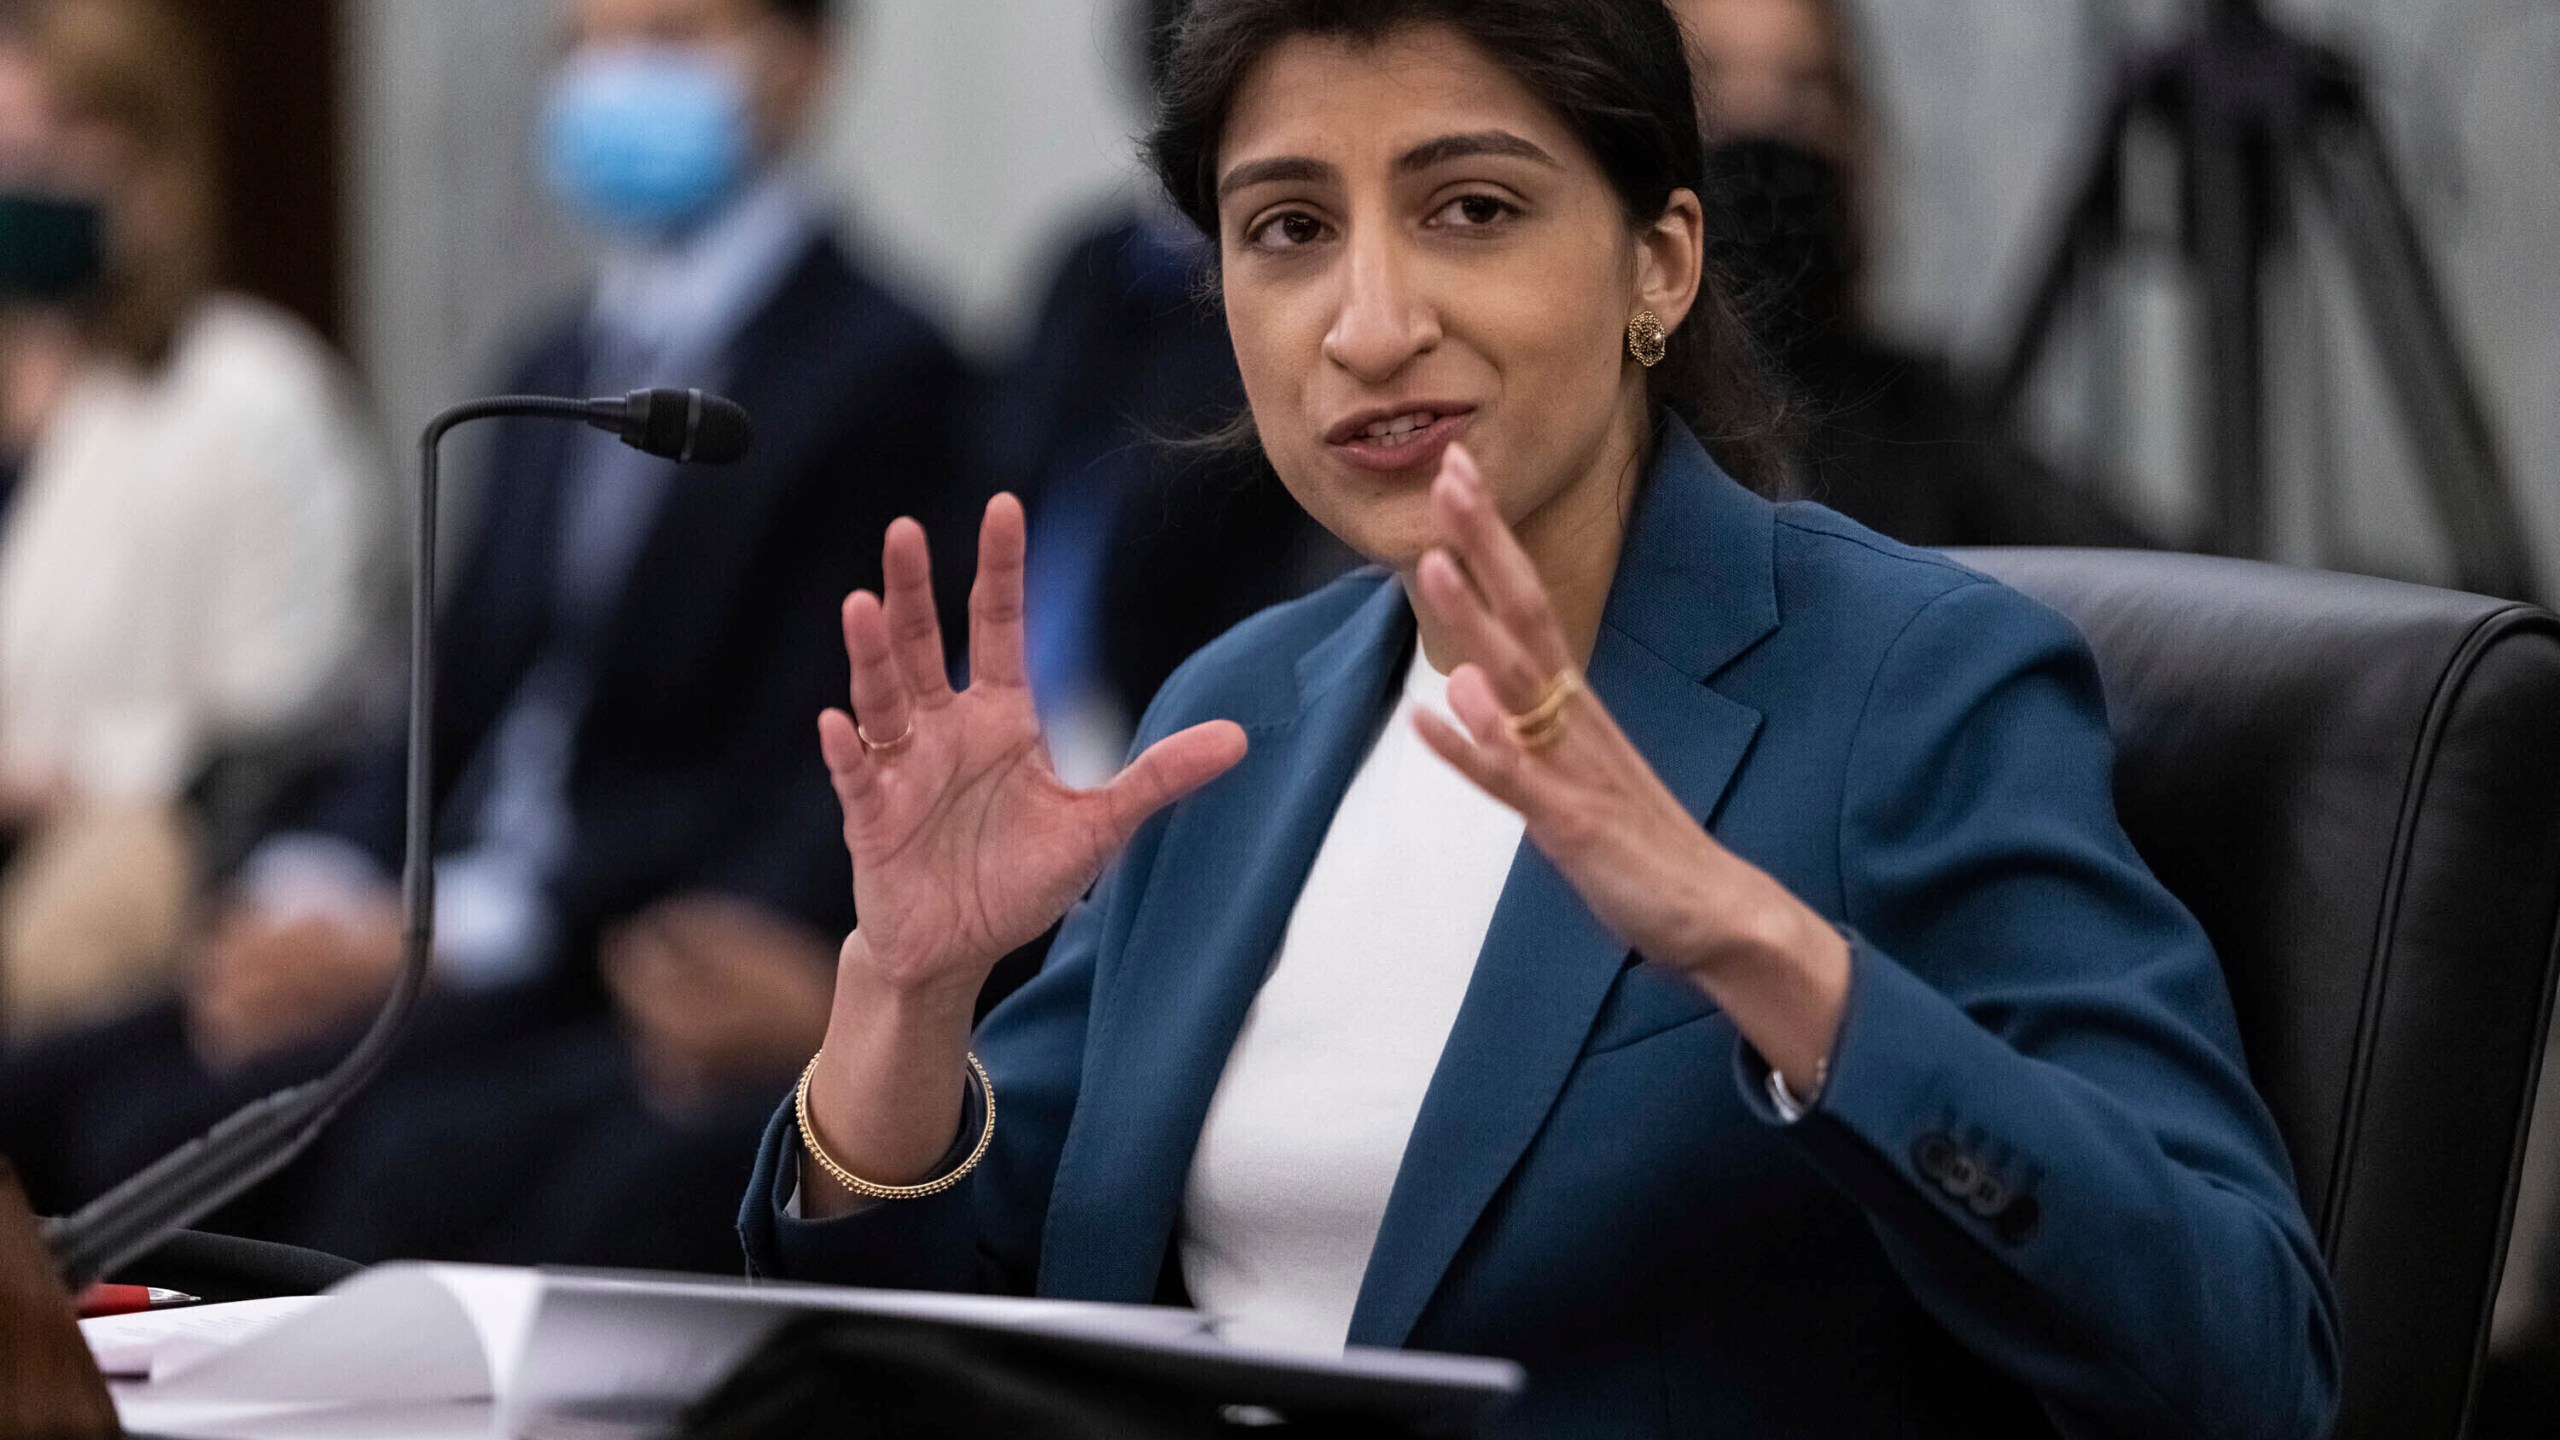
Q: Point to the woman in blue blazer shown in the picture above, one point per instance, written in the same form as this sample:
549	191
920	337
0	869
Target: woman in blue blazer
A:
1798	1047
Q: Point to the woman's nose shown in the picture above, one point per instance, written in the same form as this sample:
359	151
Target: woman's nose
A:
1384	322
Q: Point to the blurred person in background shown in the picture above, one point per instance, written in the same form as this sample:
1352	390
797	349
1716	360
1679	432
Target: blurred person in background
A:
1884	434
192	506
1142	550
641	884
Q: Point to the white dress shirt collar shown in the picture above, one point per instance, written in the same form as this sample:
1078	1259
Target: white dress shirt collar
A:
683	300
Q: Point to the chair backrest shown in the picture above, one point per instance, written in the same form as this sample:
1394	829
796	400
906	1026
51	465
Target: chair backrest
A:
2355	785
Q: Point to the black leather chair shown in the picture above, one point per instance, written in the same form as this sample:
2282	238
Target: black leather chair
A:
2355	784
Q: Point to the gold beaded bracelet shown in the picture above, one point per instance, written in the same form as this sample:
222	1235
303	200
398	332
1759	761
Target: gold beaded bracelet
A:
869	1190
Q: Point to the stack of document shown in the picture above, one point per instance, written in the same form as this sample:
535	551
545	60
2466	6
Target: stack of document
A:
437	1351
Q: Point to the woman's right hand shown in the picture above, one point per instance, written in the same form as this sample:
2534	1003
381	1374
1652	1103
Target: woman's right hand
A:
965	844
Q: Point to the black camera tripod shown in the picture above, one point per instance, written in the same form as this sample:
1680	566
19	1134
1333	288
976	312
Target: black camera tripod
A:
2251	109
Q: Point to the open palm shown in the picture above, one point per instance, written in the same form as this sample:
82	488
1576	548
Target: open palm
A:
965	844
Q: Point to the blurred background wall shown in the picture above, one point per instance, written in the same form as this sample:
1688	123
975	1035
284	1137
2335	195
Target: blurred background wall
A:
283	149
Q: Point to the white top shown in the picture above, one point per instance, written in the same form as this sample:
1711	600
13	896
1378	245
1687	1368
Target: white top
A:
182	565
1309	1123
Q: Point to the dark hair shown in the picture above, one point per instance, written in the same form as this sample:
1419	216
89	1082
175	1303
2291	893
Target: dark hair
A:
1158	22
1615	71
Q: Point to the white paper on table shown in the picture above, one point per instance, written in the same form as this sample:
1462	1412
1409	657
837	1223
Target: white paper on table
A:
626	1347
127	1346
393	1352
632	1344
144	1413
396	1334
539	1342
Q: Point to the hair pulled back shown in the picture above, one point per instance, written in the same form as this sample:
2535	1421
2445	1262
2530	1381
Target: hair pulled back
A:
1615	71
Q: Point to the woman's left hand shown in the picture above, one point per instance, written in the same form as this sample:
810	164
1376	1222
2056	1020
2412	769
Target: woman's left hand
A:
1596	809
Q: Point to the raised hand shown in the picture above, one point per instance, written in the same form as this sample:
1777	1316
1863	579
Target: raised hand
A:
1539	742
965	844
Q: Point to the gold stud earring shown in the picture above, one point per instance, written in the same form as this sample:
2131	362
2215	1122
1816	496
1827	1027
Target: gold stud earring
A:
1647	341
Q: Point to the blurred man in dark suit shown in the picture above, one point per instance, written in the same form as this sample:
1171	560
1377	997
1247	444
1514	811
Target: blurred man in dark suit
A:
634	655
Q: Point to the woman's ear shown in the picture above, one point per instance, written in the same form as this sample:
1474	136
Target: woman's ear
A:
1671	258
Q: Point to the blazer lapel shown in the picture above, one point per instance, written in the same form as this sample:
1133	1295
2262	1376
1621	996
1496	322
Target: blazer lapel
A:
1695	589
1205	936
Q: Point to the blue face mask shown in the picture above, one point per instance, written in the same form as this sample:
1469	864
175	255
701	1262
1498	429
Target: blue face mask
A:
646	139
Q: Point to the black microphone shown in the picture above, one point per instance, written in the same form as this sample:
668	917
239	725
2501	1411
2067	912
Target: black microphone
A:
258	1139
683	425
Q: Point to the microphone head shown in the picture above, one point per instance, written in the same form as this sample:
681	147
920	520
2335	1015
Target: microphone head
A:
686	425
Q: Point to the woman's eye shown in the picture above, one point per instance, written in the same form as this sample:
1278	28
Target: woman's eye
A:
1287	231
1474	212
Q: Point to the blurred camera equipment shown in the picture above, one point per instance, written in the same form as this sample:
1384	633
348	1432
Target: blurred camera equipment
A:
2258	115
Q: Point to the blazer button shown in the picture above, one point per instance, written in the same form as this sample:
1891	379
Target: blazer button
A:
1931	1152
1960	1176
1987	1198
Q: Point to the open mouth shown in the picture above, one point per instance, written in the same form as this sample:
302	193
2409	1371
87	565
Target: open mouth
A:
1401	438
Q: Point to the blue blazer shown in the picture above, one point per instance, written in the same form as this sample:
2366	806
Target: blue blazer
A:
2038	1193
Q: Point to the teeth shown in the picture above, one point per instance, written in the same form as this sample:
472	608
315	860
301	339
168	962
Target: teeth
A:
1401	426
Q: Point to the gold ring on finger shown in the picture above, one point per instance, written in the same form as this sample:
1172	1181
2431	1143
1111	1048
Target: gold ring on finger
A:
887	747
1543	725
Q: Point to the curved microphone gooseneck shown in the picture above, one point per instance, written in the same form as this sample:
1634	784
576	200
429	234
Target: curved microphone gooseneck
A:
260	1137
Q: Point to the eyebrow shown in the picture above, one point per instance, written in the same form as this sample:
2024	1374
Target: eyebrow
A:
1299	169
1467	147
1266	172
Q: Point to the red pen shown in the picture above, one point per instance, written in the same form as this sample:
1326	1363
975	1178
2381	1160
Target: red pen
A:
100	1300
